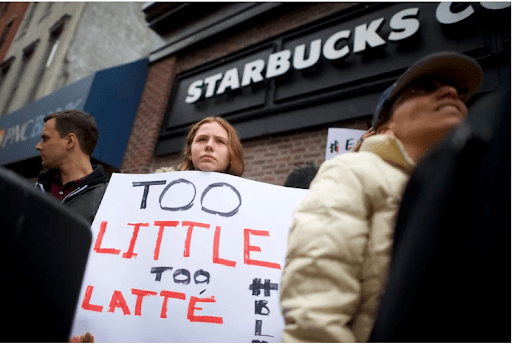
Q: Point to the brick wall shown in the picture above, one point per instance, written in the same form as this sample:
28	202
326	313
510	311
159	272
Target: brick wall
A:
148	120
271	158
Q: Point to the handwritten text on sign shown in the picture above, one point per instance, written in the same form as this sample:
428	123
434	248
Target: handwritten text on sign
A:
187	257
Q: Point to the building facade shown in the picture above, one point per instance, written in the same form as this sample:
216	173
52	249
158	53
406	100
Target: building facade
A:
38	51
59	43
63	45
11	15
283	73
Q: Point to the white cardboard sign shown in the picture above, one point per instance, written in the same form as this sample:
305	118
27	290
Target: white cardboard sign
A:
186	257
340	139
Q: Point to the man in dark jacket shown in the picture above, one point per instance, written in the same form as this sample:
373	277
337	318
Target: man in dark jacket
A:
449	276
66	145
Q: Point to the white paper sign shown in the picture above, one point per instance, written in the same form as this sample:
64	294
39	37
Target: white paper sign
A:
340	139
186	257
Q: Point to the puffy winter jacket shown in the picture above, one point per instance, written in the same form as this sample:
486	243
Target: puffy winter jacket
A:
86	199
340	244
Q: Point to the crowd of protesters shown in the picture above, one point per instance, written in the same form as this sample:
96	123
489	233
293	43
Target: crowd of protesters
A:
342	248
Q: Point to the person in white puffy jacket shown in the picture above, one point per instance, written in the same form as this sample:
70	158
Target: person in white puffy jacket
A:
342	233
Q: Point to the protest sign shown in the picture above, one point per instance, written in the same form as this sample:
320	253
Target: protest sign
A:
187	257
340	140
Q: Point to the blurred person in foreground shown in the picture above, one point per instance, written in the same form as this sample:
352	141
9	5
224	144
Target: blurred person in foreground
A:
67	142
449	276
341	237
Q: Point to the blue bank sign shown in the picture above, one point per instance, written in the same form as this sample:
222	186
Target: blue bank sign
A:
112	96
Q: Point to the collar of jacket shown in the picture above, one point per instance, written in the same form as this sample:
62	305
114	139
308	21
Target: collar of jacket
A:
97	176
390	149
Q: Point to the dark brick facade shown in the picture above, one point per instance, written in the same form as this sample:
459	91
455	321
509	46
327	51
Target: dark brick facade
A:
259	33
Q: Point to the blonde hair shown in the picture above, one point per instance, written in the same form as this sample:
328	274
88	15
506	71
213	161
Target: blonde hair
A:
236	156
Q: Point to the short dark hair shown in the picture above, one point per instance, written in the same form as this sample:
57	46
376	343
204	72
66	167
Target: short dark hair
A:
302	176
81	124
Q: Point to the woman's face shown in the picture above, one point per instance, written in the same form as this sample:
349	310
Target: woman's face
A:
209	150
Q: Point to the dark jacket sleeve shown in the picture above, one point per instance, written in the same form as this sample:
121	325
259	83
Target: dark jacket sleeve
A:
87	203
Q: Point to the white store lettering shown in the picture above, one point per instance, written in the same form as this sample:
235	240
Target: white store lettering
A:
368	34
253	72
405	27
330	52
230	80
299	62
278	64
403	24
445	16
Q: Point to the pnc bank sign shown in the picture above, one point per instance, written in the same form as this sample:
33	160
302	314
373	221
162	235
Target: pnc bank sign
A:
21	129
403	24
31	128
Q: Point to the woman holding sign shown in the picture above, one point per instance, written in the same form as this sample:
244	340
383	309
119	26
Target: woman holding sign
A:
212	144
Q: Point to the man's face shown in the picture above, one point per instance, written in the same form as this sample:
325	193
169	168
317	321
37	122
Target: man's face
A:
426	111
52	148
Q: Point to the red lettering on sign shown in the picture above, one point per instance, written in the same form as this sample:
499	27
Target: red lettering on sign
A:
99	239
130	254
167	295
192	306
216	243
118	301
140	295
248	248
86	305
191	225
162	225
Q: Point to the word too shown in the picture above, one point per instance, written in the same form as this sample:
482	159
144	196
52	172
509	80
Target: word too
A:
187	204
162	225
182	272
118	301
